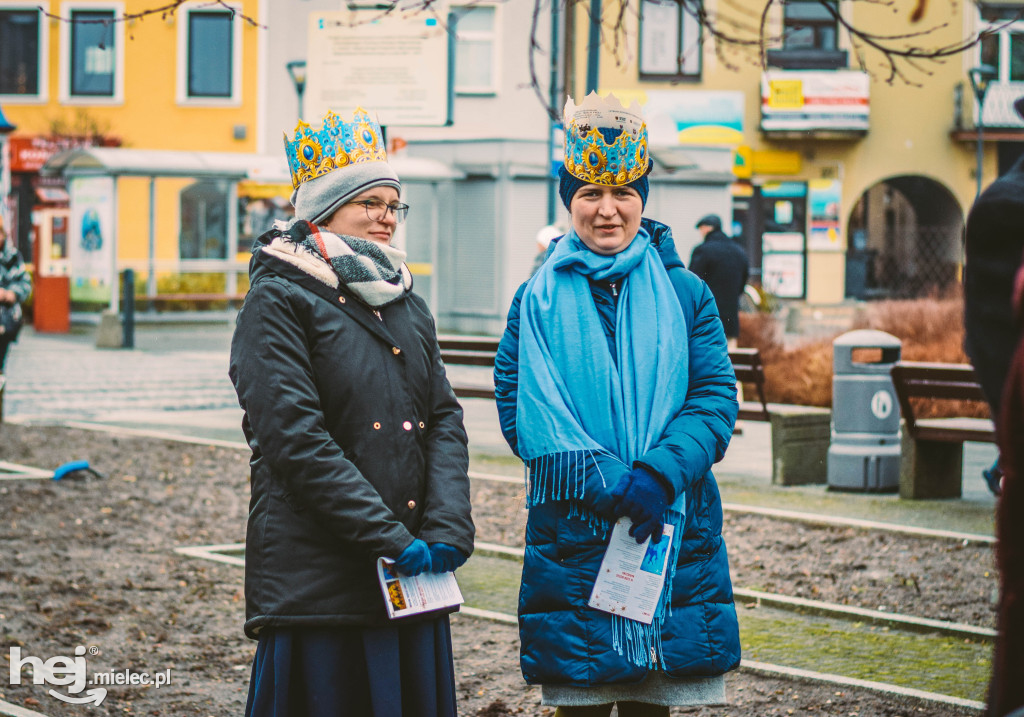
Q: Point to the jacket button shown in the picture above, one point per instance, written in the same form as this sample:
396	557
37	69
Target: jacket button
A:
395	350
422	424
407	425
376	425
411	504
341	299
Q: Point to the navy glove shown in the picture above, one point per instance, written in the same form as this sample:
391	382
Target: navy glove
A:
643	498
415	559
444	558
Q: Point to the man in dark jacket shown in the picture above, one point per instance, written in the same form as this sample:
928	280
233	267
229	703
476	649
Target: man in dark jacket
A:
721	263
995	242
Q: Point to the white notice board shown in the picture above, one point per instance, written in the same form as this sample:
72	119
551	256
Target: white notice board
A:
393	64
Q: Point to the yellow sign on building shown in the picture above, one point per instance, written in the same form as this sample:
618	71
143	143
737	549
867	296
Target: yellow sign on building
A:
786	94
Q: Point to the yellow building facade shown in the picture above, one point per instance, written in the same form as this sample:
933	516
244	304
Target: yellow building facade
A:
854	174
93	73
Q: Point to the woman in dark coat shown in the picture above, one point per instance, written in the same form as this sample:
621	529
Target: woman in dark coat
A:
358	446
1006	689
614	385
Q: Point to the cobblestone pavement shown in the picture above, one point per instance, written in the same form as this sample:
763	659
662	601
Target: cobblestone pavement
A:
175	380
64	376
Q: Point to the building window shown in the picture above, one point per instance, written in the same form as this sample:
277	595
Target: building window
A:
209	54
93	53
1004	50
204	221
669	40
21	58
809	25
476	50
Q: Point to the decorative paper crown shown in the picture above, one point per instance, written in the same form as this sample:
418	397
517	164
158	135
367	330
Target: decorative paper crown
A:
589	157
338	144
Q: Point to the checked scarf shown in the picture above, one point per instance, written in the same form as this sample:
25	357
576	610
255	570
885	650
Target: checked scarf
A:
375	273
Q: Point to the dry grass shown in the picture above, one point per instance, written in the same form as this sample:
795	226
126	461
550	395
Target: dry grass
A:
930	330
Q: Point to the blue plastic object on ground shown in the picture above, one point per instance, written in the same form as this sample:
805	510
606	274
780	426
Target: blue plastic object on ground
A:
72	467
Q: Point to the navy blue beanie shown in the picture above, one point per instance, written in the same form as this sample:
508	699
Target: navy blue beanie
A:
569	184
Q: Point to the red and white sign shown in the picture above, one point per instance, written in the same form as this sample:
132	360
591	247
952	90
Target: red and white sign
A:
29	154
809	100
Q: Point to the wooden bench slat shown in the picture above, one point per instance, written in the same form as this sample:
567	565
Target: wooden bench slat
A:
467	358
940	382
480	350
473	392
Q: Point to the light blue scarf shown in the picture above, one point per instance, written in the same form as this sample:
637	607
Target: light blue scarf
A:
576	399
573	395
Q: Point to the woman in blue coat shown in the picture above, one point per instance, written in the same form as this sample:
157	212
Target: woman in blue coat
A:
615	387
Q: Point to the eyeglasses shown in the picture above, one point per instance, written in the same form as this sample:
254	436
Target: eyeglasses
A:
377	209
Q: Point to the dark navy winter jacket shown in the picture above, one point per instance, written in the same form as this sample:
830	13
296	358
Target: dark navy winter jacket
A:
562	640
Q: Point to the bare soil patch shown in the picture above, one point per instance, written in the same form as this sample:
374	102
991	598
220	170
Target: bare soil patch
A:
89	561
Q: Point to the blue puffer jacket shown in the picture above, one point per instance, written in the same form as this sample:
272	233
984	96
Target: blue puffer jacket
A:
562	640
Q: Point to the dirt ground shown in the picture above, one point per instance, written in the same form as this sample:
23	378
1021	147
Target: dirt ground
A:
89	562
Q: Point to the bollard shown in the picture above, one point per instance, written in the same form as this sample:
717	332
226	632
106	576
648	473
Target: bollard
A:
128	340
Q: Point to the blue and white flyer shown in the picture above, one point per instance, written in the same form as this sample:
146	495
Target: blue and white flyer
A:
632	574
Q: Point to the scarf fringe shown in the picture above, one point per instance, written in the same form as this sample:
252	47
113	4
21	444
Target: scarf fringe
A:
563	476
637	642
640	643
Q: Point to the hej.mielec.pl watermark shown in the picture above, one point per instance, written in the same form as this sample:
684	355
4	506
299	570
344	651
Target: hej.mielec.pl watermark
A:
71	674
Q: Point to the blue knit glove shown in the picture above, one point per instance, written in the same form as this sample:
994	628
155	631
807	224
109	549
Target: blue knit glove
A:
444	558
643	498
415	559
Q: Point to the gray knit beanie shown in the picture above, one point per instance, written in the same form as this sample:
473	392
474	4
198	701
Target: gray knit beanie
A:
317	199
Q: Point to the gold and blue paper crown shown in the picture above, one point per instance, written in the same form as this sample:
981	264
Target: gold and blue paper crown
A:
337	144
589	157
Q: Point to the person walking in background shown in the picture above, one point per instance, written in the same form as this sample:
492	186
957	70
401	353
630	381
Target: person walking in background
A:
544	237
722	264
614	385
995	241
358	445
15	286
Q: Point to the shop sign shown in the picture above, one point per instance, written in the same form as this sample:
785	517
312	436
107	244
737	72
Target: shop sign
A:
693	117
782	274
395	62
815	100
823	202
29	154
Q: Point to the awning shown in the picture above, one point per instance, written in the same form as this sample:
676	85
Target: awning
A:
267	169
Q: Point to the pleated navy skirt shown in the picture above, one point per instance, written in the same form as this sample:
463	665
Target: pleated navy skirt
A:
391	671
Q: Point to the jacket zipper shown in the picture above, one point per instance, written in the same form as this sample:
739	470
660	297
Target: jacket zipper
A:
614	288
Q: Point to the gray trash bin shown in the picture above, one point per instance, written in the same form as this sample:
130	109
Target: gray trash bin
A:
864	454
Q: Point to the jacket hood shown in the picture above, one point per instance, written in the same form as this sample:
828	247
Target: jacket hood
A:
661	238
258	264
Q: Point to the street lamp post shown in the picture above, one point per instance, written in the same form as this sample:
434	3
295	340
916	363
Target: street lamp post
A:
981	77
297	71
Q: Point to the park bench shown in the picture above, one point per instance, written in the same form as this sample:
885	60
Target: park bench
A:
800	434
933	448
164	301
